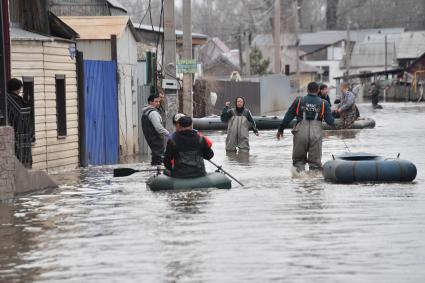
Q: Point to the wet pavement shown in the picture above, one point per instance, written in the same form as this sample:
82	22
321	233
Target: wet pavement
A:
96	228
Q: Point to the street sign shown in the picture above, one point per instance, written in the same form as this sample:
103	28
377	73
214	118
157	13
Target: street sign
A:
187	66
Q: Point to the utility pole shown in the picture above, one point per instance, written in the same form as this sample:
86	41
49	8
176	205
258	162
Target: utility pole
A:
276	36
348	49
171	84
386	54
3	54
241	65
187	54
297	44
247	49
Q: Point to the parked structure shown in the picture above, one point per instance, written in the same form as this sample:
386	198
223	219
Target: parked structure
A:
111	39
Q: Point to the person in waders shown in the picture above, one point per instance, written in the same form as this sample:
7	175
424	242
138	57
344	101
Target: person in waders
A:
310	111
153	130
239	121
347	107
374	95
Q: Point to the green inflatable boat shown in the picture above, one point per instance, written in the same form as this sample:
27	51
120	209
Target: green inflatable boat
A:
211	180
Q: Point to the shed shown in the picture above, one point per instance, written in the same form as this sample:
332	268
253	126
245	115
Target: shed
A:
50	79
97	42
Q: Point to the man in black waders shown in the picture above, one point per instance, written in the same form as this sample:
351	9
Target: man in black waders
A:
309	111
153	130
186	151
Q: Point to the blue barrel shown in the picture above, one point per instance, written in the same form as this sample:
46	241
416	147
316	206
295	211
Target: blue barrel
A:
365	167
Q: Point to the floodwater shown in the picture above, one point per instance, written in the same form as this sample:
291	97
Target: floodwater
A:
96	228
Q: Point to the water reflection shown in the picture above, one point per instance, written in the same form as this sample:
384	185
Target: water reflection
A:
241	157
342	134
190	202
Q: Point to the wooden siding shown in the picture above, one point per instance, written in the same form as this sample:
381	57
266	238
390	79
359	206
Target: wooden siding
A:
44	60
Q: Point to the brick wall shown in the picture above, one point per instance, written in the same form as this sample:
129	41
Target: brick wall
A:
7	163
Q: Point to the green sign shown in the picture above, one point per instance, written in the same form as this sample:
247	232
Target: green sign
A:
187	66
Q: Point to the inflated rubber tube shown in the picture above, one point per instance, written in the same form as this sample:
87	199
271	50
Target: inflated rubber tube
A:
211	180
364	167
271	123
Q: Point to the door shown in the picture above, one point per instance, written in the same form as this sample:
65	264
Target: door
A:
101	111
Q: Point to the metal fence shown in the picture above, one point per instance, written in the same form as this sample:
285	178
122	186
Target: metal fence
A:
20	119
229	90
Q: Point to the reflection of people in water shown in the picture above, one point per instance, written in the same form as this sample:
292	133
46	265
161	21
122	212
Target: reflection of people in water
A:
341	134
241	157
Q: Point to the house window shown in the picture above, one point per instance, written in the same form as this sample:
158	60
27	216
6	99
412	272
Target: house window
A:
28	89
61	105
323	74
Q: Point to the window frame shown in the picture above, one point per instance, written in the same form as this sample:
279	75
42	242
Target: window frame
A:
61	123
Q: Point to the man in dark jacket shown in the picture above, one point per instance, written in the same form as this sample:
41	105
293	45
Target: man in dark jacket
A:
188	150
153	130
324	93
310	111
14	87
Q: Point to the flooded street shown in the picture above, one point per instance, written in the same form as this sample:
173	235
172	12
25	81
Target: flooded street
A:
96	228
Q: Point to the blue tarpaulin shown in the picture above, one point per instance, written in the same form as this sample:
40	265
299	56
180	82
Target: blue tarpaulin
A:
101	111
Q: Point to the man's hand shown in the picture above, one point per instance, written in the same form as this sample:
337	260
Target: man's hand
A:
227	103
279	135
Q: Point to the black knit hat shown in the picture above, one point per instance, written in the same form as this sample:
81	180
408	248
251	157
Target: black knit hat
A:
14	84
185	121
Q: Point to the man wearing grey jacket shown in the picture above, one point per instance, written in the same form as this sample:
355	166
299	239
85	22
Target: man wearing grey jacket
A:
153	129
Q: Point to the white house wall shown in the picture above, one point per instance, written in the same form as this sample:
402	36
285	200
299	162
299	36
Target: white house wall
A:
95	49
334	70
335	53
42	61
129	123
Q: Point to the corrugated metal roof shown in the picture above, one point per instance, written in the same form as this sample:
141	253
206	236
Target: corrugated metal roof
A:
372	54
327	37
322	38
408	44
116	4
179	33
99	27
21	34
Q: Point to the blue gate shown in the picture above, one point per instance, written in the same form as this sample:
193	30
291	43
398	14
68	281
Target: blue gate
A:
101	111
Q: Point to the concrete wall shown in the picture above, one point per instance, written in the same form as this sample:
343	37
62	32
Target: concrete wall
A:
7	165
15	179
275	94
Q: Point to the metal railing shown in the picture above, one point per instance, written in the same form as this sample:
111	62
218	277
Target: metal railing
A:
20	119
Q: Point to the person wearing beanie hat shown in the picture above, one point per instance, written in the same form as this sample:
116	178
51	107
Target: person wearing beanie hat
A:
14	87
310	111
186	150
